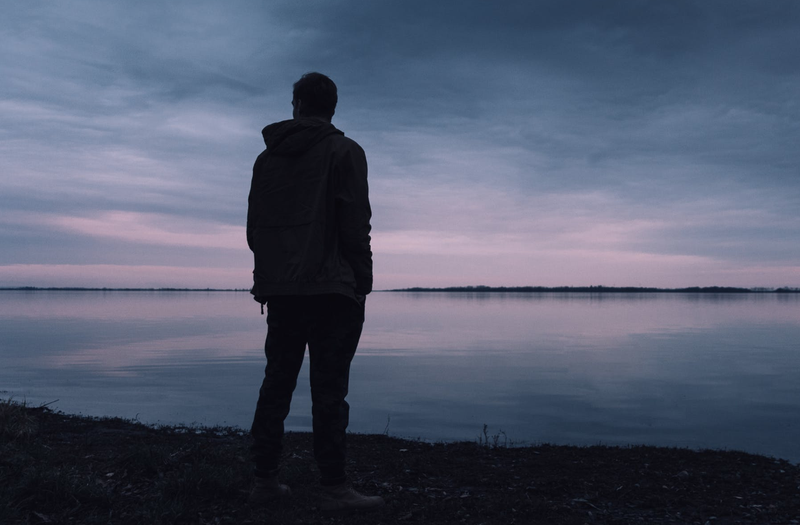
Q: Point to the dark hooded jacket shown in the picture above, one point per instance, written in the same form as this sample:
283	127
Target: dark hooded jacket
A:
308	214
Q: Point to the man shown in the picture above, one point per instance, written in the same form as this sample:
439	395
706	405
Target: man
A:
308	227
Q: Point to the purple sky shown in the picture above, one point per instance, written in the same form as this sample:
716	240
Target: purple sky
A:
509	143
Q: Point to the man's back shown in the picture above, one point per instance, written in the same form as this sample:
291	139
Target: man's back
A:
308	215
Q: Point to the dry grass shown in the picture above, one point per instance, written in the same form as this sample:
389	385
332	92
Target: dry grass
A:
17	420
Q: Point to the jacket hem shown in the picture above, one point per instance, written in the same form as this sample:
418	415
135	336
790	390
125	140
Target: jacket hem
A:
267	290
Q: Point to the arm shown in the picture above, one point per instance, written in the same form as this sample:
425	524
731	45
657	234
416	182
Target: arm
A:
354	213
252	207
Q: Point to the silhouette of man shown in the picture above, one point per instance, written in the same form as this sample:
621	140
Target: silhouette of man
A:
308	227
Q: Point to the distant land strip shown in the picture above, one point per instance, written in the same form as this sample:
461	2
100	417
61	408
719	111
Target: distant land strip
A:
81	289
600	289
472	289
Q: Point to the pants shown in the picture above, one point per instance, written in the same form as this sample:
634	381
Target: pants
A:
331	326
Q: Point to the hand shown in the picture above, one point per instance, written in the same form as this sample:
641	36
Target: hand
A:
258	298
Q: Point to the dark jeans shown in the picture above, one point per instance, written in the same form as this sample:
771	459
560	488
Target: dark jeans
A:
331	326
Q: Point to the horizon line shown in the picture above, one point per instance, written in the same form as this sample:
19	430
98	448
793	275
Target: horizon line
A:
478	288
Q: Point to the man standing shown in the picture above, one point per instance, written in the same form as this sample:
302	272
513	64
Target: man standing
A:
308	227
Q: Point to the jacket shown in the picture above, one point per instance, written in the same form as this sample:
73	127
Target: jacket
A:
308	217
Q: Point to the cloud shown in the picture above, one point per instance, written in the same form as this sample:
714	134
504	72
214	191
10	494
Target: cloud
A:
150	228
121	276
535	131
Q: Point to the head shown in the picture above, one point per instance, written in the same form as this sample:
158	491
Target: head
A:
314	95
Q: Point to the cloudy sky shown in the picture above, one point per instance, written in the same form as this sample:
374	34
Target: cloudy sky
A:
622	143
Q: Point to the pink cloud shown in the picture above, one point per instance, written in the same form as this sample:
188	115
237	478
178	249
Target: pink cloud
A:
121	276
153	228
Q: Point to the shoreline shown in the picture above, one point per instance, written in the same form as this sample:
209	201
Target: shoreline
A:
61	468
600	290
458	289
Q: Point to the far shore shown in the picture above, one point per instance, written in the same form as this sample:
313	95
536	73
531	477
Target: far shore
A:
460	289
597	289
85	289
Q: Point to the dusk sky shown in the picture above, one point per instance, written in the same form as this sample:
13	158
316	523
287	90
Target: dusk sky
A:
617	143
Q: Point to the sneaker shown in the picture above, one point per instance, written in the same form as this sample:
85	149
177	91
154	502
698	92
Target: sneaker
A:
267	490
343	498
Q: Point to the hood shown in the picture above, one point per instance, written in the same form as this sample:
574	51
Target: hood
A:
295	137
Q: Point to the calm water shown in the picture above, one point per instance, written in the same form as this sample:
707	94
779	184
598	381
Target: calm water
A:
702	371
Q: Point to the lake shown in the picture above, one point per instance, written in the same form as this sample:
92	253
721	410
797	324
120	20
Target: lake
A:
686	370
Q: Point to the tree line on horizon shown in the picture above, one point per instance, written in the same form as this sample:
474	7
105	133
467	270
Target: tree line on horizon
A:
601	289
88	289
478	288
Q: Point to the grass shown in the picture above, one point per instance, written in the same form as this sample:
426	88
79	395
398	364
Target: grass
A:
58	468
17	422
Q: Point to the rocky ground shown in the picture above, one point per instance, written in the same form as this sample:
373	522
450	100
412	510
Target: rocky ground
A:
57	468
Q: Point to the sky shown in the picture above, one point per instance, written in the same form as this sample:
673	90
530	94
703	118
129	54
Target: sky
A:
510	143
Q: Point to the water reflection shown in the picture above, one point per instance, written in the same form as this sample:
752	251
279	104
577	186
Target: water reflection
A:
696	370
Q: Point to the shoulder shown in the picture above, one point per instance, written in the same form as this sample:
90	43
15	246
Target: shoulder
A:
260	159
345	146
340	139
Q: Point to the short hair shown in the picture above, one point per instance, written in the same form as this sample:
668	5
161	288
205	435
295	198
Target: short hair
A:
318	93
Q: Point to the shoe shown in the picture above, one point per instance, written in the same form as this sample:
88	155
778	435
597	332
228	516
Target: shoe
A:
343	498
267	490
